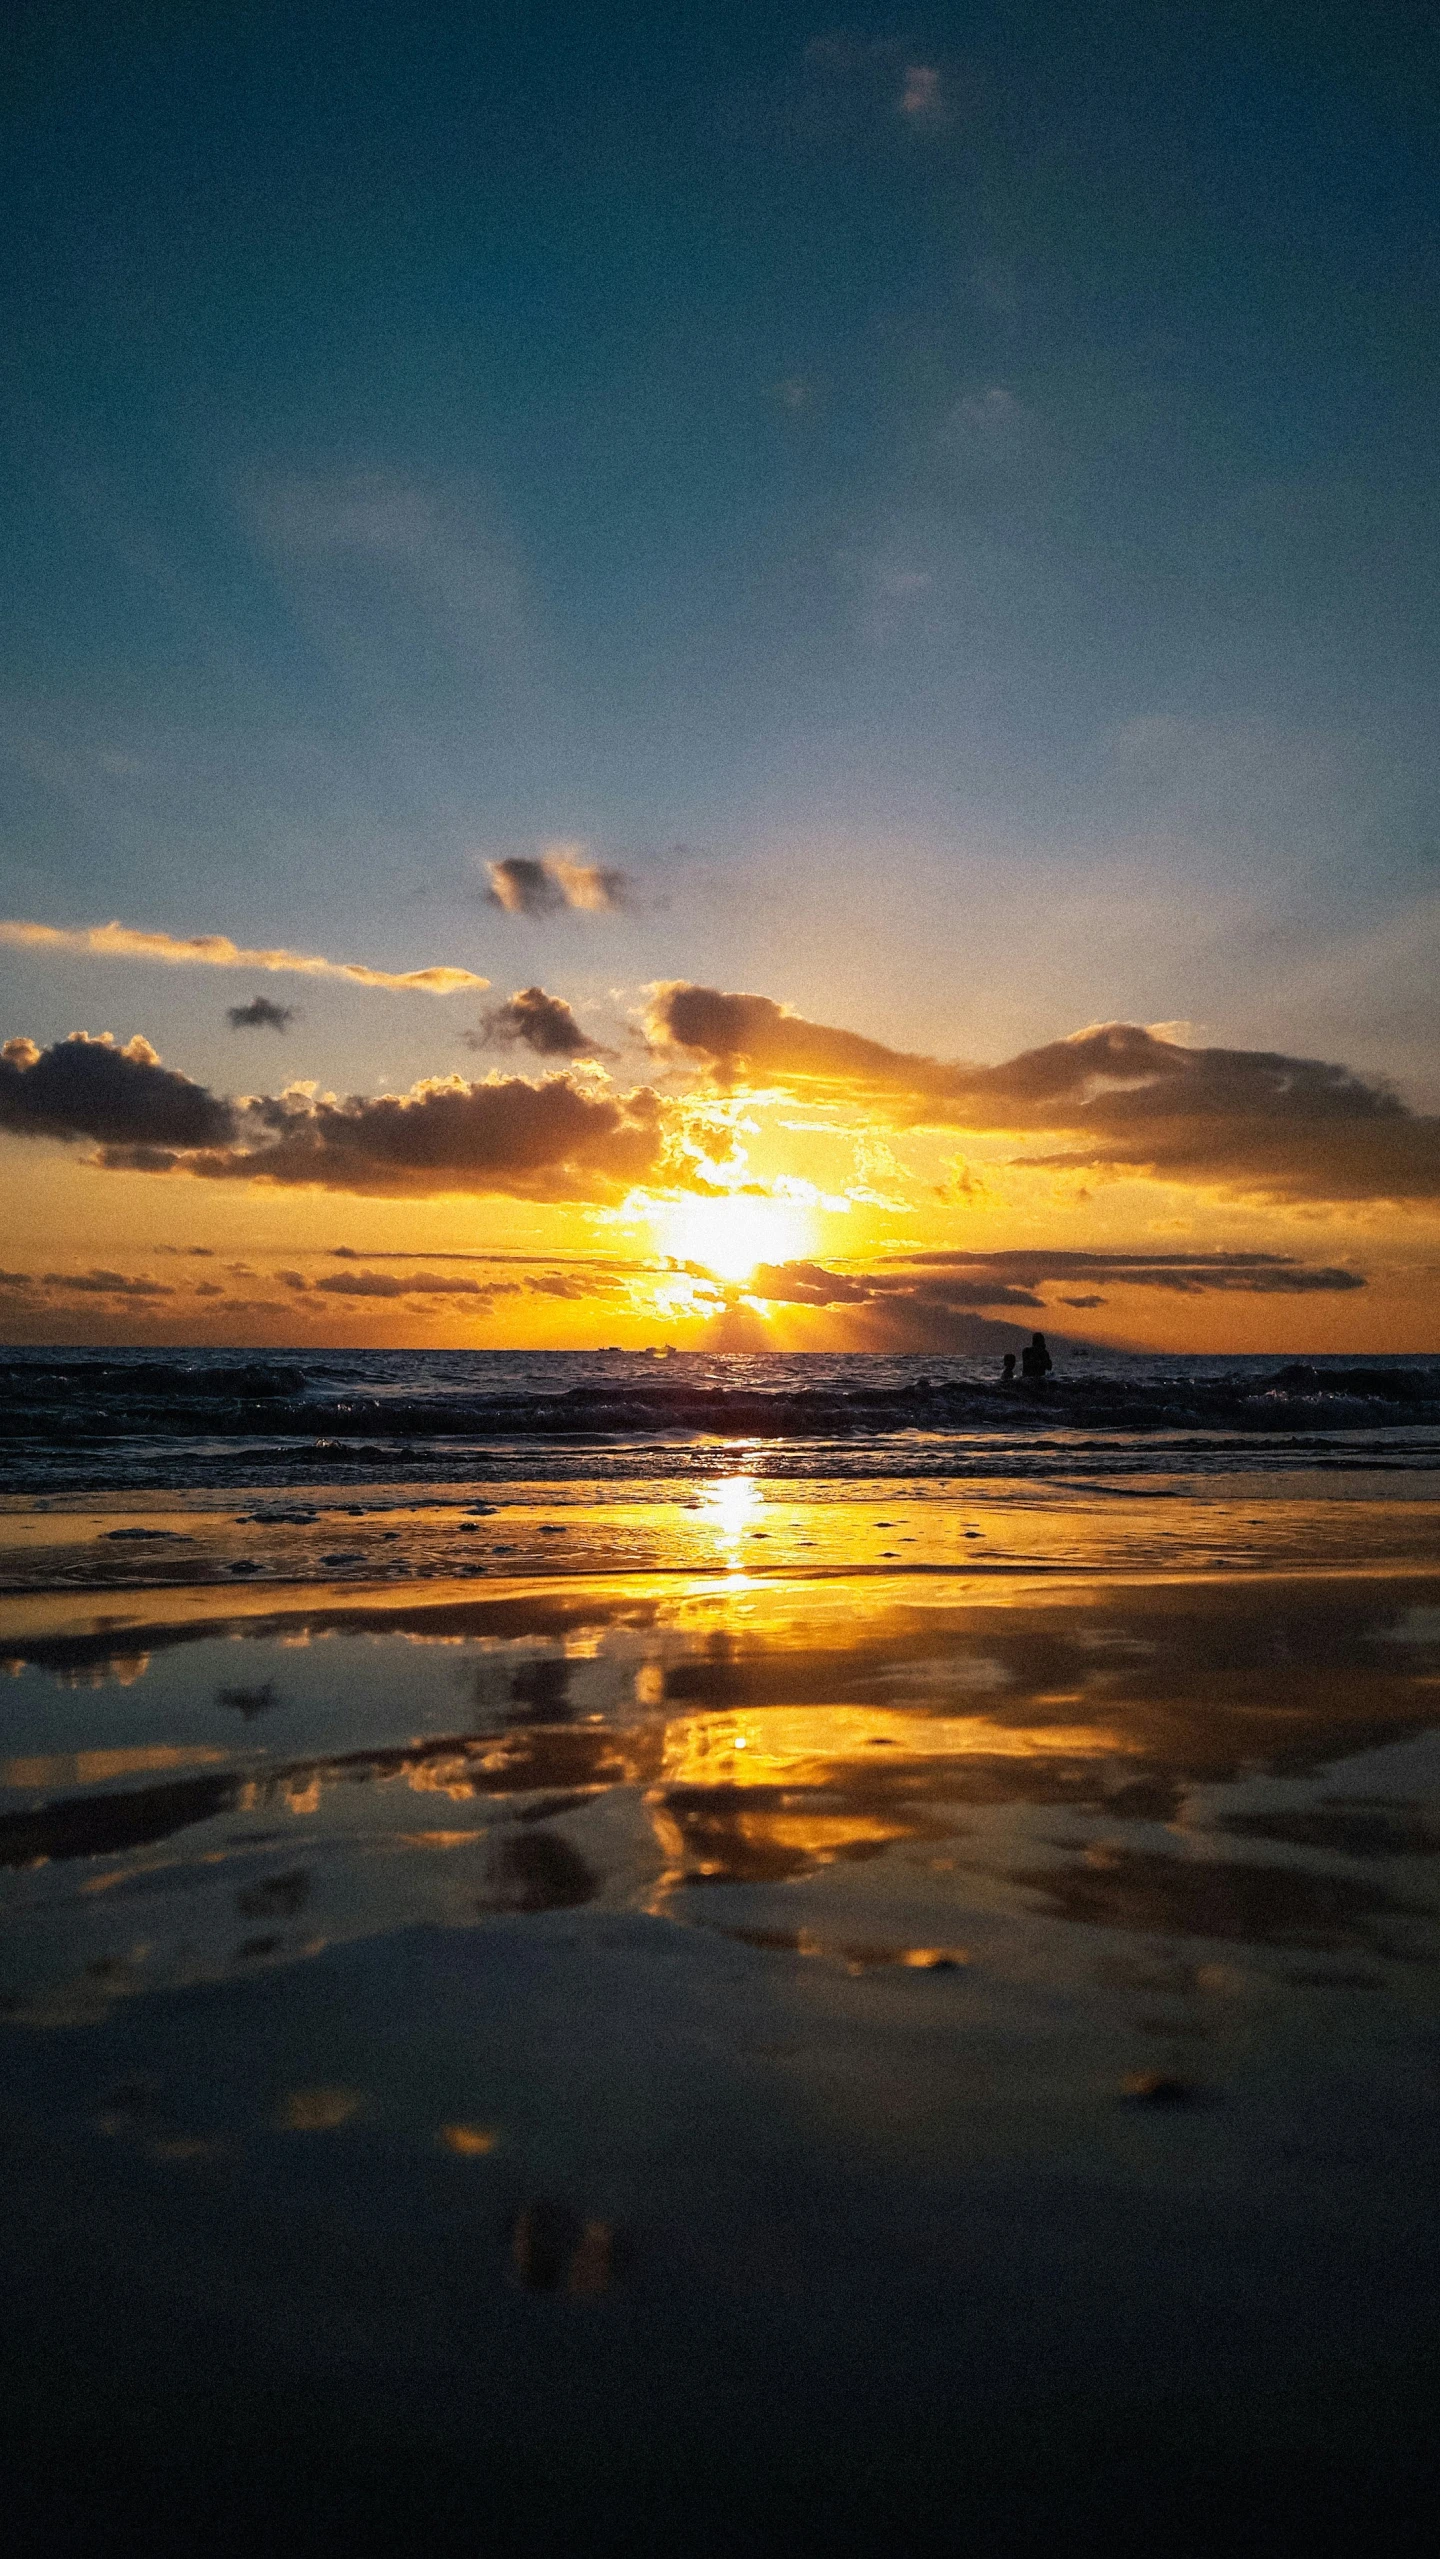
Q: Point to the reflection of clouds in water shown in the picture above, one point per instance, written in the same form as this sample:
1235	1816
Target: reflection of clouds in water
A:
642	1750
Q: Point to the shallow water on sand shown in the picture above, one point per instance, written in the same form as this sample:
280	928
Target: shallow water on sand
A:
730	2058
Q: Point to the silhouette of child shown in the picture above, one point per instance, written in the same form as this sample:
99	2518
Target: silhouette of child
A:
1007	1370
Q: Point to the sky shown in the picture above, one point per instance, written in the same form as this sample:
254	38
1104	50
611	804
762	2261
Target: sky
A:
731	677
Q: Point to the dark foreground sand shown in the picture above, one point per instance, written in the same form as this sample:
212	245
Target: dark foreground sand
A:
722	2063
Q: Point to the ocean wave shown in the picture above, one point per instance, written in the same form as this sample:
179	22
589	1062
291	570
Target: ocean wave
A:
98	1401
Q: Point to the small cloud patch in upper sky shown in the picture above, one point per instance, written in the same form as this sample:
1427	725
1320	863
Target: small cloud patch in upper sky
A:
922	97
543	1022
522	885
260	1015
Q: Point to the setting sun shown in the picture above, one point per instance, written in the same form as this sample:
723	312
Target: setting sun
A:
730	1235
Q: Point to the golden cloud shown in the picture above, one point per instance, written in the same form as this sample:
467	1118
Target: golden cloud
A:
1123	1099
216	950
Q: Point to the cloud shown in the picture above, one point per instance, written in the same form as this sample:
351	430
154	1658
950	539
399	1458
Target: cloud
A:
84	1087
933	1301
1180	1274
1123	1099
810	1284
216	950
389	1284
91	1283
558	1139
752	1039
921	96
106	1284
559	879
576	1284
543	1022
260	1015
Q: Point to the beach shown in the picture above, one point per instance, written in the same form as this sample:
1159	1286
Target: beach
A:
920	1965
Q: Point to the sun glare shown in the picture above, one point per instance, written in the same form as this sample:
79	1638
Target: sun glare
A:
730	1236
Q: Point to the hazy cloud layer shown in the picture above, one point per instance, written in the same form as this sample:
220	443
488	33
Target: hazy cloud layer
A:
558	879
216	950
1121	1097
541	1022
260	1015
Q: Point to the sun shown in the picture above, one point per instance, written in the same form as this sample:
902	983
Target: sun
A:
729	1236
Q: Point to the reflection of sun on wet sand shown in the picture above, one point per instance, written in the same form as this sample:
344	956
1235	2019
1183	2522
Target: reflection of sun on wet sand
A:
741	1521
1126	1755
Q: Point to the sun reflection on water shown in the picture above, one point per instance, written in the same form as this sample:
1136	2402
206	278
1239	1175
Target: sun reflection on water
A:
731	1509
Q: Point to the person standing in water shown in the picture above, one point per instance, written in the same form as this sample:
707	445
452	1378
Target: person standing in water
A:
1036	1362
1007	1369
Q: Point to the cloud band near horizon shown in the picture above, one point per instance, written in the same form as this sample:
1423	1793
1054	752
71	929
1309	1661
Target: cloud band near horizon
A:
1115	1100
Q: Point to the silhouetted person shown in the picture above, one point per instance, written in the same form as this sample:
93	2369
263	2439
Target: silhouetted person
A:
1007	1369
1036	1362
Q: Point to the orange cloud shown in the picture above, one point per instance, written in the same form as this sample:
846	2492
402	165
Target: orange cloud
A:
216	950
1123	1098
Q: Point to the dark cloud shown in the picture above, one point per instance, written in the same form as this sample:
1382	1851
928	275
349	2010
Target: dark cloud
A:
105	1284
1123	1099
260	1015
1183	1274
522	886
809	1284
558	1139
931	1300
84	1087
553	1140
391	1284
543	1022
575	1284
753	1039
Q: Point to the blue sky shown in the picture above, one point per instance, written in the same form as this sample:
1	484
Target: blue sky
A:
947	500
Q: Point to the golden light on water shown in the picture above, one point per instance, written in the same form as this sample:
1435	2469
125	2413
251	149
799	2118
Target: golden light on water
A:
731	1508
732	1234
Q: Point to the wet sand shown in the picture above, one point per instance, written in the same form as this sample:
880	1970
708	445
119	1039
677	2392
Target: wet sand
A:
739	1521
744	2059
